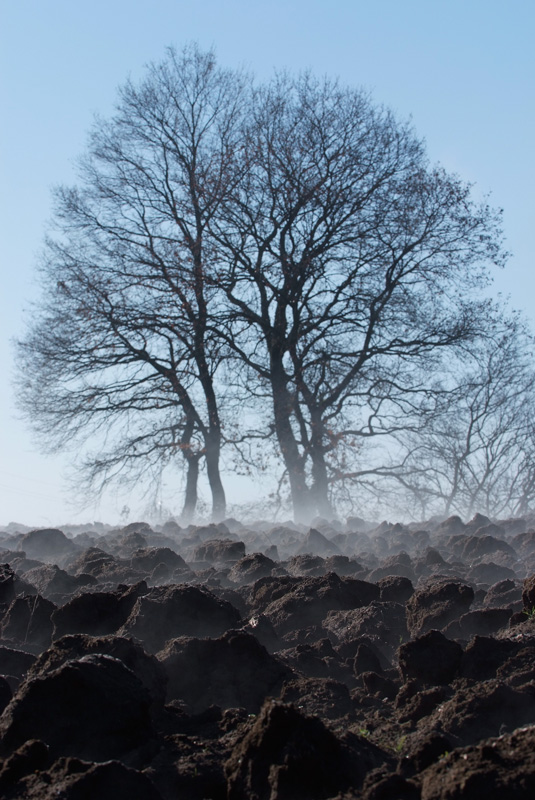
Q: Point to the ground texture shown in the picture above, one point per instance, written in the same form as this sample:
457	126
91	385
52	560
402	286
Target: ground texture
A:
387	662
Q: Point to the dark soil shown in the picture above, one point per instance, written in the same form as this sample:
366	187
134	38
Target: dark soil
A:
269	662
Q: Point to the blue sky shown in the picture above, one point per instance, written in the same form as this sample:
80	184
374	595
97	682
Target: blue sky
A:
464	70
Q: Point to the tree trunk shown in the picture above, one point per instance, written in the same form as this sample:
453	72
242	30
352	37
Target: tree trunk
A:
219	502
320	486
190	498
282	406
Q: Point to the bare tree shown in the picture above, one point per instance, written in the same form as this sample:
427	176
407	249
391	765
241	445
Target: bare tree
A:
475	450
289	241
125	326
347	258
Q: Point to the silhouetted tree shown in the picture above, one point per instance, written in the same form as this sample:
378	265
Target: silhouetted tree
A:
348	262
125	327
291	240
475	450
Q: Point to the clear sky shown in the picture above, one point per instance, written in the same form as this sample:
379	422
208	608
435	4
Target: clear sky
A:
464	70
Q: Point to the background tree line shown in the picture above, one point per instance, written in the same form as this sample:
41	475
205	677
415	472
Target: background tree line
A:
276	268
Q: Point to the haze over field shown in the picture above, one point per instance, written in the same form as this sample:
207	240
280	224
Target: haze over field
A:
463	71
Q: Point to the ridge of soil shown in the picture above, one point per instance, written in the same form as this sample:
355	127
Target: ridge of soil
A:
269	662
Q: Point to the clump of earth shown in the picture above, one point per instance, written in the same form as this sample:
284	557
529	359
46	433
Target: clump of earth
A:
269	662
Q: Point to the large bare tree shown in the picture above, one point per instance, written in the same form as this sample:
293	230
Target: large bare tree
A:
290	240
125	329
349	260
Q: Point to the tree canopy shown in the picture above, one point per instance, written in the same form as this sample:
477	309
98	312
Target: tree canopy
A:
241	262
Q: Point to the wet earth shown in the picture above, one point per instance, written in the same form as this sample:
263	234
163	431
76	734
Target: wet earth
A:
269	662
